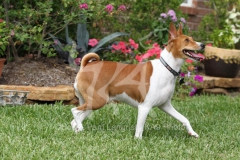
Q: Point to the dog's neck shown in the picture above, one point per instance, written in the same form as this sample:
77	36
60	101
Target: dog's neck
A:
174	63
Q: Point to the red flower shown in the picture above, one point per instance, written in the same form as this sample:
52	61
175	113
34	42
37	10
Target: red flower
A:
155	50
83	6
133	44
1	20
121	45
77	61
93	42
122	8
139	58
109	8
189	61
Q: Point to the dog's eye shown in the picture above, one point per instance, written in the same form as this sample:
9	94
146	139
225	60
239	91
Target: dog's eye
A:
186	40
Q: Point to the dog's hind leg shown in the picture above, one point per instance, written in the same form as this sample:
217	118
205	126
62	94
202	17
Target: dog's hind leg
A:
81	112
79	116
81	102
168	108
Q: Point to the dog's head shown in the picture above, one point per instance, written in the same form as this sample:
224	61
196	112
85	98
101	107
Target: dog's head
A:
182	46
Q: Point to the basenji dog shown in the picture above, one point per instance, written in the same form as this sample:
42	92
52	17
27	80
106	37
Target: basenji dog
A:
144	85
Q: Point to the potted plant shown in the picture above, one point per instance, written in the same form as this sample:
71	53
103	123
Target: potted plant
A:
4	34
221	58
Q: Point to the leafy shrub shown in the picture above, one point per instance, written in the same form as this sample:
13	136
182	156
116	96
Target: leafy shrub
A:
4	34
33	20
217	22
160	27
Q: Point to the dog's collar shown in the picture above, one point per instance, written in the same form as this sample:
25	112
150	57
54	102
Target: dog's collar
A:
169	68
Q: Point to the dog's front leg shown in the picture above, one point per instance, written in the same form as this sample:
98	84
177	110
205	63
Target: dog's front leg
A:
142	115
168	108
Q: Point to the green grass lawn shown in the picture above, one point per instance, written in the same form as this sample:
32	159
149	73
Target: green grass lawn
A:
44	132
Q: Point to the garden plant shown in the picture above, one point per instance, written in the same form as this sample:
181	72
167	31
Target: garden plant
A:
43	131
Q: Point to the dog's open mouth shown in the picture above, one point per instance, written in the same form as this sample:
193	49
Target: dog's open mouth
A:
193	55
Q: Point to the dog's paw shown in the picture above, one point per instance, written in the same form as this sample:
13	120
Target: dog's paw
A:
76	128
193	134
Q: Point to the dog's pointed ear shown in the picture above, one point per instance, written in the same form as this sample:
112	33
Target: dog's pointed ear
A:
179	32
172	31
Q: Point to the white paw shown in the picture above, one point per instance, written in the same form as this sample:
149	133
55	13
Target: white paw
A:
76	128
138	135
73	124
193	134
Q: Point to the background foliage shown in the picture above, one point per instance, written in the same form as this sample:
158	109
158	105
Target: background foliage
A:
32	20
215	22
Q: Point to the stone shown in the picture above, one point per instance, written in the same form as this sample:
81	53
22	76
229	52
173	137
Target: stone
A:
219	82
215	91
58	93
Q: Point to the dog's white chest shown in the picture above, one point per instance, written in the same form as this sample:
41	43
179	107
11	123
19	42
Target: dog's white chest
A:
161	85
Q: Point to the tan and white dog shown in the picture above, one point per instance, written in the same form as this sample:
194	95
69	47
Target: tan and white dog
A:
143	85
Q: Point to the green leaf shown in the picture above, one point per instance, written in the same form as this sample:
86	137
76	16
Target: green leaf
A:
107	39
68	39
160	35
57	46
82	36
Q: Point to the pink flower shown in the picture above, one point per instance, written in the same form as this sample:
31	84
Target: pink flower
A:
109	8
163	15
171	13
155	45
12	33
183	20
116	47
93	42
139	58
121	46
174	18
193	91
182	74
83	6
198	78
77	61
133	44
122	8
1	20
189	61
154	51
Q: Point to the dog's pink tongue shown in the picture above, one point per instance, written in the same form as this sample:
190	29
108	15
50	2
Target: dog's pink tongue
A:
199	55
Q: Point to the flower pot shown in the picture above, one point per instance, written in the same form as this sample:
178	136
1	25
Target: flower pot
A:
221	62
2	60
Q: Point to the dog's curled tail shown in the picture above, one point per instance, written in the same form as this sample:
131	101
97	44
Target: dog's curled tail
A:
89	58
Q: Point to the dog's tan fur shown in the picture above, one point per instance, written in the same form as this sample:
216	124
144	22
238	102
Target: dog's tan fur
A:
113	76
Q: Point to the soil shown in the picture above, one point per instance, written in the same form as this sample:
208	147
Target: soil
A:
46	72
42	72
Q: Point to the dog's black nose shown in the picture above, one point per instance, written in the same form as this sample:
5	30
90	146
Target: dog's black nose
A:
202	46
